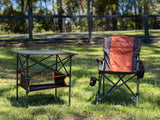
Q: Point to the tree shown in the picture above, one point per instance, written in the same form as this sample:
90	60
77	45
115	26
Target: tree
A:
12	14
61	11
109	7
54	20
23	13
77	7
155	10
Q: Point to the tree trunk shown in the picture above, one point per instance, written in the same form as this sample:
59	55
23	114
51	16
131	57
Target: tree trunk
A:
140	20
23	13
12	20
54	20
107	23
30	19
71	11
81	13
46	6
135	12
61	21
114	21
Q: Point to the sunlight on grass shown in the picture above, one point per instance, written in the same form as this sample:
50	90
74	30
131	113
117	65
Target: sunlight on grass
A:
44	105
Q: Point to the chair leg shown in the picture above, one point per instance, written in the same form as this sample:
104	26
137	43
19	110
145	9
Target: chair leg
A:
103	86
17	92
27	99
99	88
116	86
137	94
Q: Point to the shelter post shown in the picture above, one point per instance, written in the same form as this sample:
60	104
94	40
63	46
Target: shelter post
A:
146	27
30	20
89	21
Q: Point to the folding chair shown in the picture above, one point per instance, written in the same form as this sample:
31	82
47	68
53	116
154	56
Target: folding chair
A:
121	57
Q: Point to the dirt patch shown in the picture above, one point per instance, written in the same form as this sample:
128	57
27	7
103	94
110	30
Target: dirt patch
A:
156	43
36	44
45	44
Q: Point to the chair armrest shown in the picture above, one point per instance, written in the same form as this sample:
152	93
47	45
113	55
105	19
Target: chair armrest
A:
99	60
141	69
139	61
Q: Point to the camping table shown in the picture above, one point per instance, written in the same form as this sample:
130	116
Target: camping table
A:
27	59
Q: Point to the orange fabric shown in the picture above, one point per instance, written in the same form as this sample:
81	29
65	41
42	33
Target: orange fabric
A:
48	76
45	76
121	53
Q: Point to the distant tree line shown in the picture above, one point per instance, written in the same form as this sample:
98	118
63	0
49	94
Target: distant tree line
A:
78	8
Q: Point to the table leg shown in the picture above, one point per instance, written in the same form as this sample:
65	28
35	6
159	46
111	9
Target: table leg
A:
27	99
70	80
56	69
17	78
55	92
27	82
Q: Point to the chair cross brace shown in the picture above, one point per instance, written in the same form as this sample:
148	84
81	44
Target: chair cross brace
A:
62	61
116	86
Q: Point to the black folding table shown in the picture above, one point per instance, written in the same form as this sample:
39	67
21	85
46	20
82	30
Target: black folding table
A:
39	64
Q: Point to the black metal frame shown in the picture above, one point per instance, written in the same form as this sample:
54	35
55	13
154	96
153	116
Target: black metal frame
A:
103	75
23	65
116	86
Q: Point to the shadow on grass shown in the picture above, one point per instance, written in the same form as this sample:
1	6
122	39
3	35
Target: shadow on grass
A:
36	100
4	90
116	98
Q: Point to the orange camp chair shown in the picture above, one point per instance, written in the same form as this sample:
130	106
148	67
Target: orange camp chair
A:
121	57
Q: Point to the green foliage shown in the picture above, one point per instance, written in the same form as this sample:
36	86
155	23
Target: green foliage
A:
18	23
76	28
113	6
155	9
78	7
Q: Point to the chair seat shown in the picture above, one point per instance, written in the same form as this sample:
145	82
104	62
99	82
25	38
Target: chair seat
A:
117	72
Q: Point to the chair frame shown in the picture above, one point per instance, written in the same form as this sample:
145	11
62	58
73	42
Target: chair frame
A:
117	85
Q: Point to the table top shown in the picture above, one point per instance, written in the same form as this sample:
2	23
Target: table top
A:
43	52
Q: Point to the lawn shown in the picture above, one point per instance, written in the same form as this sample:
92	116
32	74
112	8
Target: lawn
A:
43	105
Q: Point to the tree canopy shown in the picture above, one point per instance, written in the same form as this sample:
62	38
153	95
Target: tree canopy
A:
78	8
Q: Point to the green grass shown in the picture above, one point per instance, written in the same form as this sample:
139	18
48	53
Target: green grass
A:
43	105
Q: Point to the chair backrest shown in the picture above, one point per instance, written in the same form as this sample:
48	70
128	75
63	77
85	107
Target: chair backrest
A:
121	52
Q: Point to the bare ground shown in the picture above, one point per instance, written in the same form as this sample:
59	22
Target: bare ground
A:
44	44
35	44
